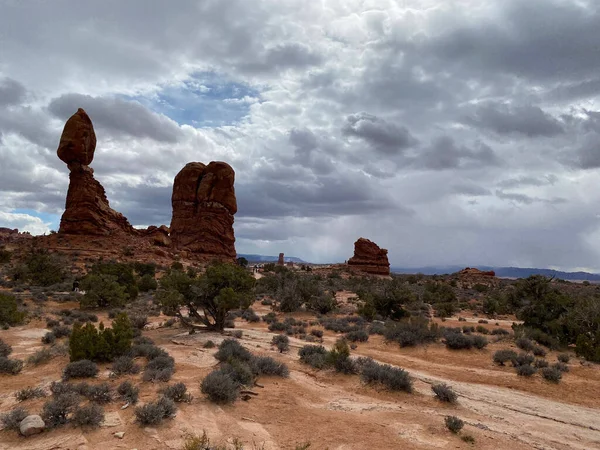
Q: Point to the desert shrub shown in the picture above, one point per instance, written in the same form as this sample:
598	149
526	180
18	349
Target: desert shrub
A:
125	365
30	392
177	392
90	415
339	357
161	362
40	268
128	392
11	420
103	291
414	331
250	315
322	303
40	357
393	378
237	334
5	256
468	329
357	336
164	374
539	351
526	370
209	344
9	311
376	328
454	424
482	321
99	393
501	357
525	344
265	365
147	283
154	412
56	411
61	331
10	366
51	323
102	344
552	374
80	369
219	387
522	359
144	268
479	342
239	371
317	333
138	321
170	322
232	349
481	329
563	358
49	338
540	363
270	317
456	341
282	342
309	350
141	340
500	332
277	326
5	349
444	392
561	366
62	388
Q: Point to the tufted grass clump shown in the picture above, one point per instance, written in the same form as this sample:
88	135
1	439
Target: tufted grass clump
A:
30	392
454	424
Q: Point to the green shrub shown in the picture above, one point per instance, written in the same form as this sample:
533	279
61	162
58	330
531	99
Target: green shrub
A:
539	351
525	344
102	344
147	283
500	332
11	420
415	331
522	359
250	315
454	424
209	344
456	341
219	387
563	358
540	363
479	342
40	268
10	366
103	291
239	371
357	336
9	311
90	415
444	393
481	329
80	369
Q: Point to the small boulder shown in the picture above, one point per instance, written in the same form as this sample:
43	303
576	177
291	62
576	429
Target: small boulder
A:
31	425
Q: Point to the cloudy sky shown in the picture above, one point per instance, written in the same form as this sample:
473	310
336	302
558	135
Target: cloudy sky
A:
450	132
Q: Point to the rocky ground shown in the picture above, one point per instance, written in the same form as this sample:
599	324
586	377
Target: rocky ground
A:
326	409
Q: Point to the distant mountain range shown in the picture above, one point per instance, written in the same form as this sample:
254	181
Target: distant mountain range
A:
267	258
502	272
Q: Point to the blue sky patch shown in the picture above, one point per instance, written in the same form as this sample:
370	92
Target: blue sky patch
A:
206	99
53	220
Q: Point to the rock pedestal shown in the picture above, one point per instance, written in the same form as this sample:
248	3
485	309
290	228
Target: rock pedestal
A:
87	210
280	261
369	258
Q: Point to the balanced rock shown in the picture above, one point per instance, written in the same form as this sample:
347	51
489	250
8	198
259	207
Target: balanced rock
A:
203	207
78	140
369	258
87	210
31	425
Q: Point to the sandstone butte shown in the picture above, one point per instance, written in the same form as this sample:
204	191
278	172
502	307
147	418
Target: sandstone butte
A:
369	258
203	201
280	260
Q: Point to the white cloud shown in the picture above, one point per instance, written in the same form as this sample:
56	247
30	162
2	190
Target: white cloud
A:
24	222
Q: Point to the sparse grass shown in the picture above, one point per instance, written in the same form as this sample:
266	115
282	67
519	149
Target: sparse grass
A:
12	419
30	392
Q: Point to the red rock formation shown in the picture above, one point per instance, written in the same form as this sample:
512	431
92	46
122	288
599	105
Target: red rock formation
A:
369	258
280	261
469	271
203	207
87	210
158	235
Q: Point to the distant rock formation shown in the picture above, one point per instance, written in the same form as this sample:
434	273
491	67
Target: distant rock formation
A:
473	272
87	210
158	235
369	258
203	207
280	261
